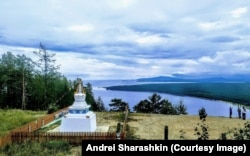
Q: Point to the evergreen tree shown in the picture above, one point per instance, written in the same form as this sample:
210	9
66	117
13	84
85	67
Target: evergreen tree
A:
100	105
168	108
153	104
22	85
10	90
90	99
118	105
181	108
48	68
26	67
142	107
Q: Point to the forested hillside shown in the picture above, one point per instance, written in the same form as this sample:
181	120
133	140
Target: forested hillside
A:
35	84
232	92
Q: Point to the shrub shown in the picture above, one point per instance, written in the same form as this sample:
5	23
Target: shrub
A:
239	133
130	133
182	134
56	145
202	113
202	130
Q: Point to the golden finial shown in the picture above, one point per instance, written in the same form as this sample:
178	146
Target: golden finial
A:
80	88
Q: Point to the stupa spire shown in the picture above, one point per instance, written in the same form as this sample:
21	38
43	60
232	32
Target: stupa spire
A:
80	88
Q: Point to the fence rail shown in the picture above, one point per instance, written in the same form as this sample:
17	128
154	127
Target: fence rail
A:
70	137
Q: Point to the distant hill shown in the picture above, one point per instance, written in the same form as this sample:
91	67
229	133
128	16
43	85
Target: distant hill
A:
197	78
163	79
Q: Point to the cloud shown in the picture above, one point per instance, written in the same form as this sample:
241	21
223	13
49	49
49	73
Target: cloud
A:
224	62
150	40
120	4
81	28
113	39
239	12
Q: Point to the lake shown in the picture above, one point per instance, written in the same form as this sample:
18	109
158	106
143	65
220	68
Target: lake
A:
213	107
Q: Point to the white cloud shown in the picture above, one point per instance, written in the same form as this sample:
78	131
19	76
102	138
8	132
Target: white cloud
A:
239	12
114	38
207	26
149	40
81	28
120	4
226	62
206	59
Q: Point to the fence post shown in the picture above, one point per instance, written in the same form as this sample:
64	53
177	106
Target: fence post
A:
166	133
36	123
29	130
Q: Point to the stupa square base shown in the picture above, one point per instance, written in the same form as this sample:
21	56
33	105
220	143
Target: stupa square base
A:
79	123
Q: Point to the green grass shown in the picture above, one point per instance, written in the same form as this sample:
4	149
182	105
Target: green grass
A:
140	123
55	148
50	127
13	118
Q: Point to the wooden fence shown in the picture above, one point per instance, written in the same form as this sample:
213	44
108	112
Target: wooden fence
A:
71	137
27	132
30	127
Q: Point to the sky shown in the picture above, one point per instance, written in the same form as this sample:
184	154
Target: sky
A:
130	39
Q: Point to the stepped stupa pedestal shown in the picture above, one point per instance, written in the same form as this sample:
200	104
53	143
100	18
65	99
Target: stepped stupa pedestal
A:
79	118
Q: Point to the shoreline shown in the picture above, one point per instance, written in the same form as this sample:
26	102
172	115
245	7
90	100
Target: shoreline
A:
191	91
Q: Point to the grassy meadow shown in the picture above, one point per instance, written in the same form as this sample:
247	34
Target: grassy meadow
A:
151	126
13	118
139	123
142	126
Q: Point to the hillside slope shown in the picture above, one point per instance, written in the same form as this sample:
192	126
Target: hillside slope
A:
152	126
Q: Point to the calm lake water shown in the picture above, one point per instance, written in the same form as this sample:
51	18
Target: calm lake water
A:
213	107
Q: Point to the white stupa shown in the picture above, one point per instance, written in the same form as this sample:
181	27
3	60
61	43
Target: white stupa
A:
79	118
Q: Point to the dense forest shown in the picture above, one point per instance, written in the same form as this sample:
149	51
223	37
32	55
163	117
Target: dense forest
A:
36	84
232	92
